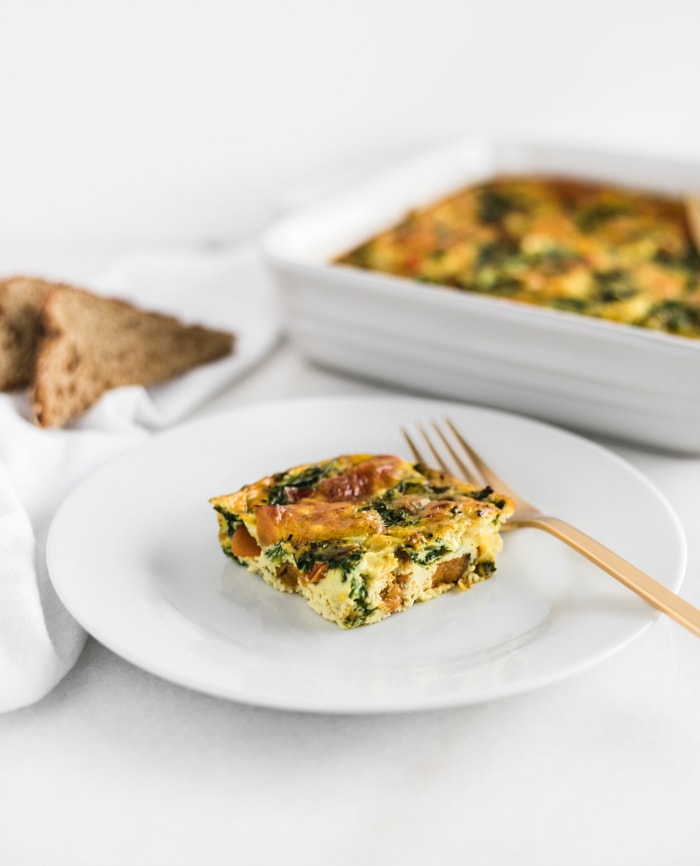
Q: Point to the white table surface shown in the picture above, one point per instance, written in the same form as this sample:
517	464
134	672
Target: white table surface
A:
118	767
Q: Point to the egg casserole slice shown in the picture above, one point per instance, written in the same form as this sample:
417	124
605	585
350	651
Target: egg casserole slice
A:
600	250
361	536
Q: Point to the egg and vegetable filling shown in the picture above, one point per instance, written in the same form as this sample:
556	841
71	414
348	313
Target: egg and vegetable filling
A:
361	537
596	249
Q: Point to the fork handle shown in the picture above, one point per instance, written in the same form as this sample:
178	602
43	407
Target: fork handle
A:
633	578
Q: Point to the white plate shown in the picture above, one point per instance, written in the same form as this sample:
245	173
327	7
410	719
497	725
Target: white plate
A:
134	556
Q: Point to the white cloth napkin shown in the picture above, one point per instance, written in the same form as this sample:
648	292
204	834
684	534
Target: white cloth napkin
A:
39	639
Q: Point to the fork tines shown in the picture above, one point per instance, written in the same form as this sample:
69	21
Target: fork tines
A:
442	447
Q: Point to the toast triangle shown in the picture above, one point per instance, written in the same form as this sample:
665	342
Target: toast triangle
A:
21	299
89	344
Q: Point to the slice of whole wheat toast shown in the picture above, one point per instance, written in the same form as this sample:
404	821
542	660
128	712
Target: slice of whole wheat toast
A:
21	299
89	344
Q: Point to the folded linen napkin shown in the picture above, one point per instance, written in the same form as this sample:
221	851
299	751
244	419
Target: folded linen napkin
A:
39	639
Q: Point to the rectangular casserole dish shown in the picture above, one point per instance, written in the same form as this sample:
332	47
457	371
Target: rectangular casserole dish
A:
587	374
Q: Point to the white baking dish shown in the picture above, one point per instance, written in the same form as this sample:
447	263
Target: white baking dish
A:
580	372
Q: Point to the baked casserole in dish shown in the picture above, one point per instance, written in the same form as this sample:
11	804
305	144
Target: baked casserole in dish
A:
596	249
556	282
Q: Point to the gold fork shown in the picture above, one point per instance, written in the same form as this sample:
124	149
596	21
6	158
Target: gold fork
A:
526	514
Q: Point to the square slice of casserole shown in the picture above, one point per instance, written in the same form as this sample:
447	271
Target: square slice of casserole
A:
361	537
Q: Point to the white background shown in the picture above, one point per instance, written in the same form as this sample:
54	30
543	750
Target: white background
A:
190	120
146	122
